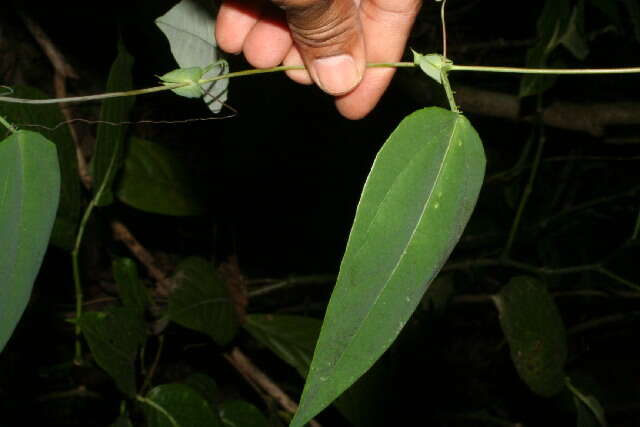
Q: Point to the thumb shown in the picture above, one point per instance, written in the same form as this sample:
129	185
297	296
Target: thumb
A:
329	38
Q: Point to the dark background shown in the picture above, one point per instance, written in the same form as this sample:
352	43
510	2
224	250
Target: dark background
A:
282	181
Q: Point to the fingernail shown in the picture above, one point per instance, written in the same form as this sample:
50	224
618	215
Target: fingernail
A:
336	74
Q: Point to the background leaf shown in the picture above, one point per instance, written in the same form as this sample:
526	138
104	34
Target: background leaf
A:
132	292
590	412
110	139
292	338
552	25
238	413
415	204
190	28
185	405
64	228
535	333
29	194
161	180
114	337
201	301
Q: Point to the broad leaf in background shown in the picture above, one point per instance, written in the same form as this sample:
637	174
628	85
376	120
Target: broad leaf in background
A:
190	28
292	338
633	9
552	26
201	301
536	335
110	139
68	216
414	207
29	194
575	38
161	180
114	337
122	421
178	405
205	385
132	292
238	413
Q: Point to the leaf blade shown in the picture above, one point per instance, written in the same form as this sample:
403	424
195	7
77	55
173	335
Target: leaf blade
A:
416	201
190	28
535	333
110	138
180	406
114	337
200	301
29	197
68	216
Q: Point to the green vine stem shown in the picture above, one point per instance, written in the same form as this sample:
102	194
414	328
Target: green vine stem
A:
555	71
528	189
77	281
450	67
8	125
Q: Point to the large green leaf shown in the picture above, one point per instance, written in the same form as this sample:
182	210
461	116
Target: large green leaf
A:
535	333
68	216
160	180
415	205
201	301
178	405
190	28
114	337
29	194
110	136
292	338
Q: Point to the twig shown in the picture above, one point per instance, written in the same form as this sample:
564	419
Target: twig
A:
122	234
528	189
253	374
55	57
276	285
590	118
62	71
540	271
589	204
154	366
595	323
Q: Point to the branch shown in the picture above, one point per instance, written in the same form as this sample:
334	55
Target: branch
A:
590	118
253	375
122	234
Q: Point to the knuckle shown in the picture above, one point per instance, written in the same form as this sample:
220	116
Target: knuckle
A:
323	25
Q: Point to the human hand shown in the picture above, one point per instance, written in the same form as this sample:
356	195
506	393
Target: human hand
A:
334	39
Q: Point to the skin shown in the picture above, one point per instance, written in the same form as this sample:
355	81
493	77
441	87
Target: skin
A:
334	39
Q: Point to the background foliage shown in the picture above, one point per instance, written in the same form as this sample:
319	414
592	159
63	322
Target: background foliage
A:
258	208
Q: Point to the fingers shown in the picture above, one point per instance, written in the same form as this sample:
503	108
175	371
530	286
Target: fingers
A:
328	37
269	40
234	22
333	38
258	31
386	26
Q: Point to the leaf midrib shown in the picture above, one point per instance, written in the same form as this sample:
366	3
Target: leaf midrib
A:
381	291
